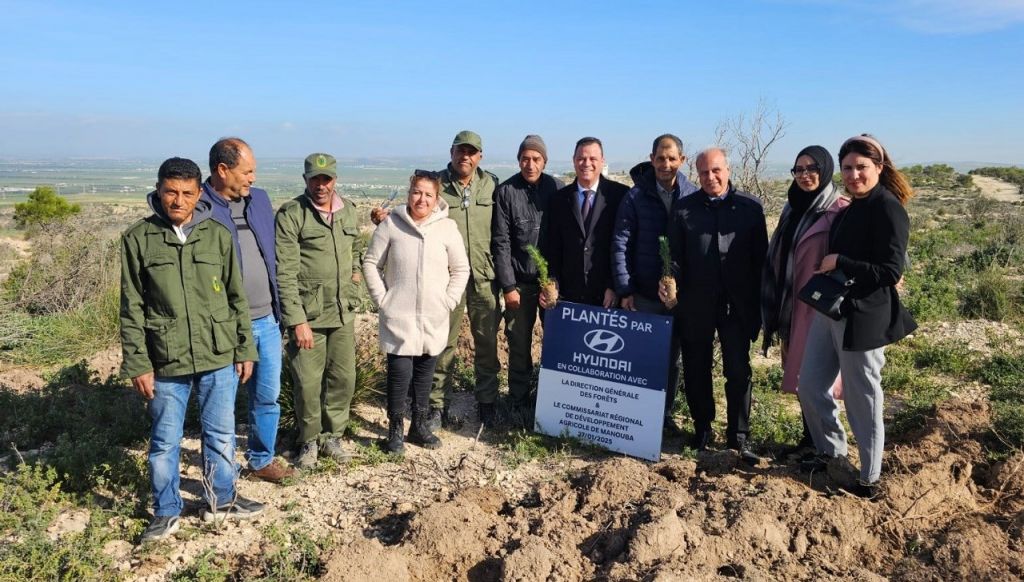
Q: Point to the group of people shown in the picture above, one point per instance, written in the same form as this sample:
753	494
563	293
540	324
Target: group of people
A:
214	278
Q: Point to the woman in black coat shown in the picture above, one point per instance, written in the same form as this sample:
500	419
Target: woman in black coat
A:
868	242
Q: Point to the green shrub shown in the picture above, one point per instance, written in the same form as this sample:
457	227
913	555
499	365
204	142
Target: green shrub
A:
992	296
46	340
951	358
87	425
1005	373
43	206
31	498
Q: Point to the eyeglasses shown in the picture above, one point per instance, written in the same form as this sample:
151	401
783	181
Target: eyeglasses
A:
465	197
799	170
427	174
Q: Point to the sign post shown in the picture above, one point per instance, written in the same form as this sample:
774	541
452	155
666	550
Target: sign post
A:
603	377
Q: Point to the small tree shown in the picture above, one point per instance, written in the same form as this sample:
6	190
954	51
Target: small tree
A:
748	138
43	205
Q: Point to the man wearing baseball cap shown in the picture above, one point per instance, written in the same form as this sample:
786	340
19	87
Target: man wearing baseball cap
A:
519	207
317	283
469	192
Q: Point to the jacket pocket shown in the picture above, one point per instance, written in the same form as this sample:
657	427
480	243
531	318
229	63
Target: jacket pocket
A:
225	336
311	294
160	334
209	268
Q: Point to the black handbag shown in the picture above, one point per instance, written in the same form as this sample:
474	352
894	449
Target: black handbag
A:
825	292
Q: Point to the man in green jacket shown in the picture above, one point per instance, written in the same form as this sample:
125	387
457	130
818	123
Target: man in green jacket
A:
184	325
469	192
315	233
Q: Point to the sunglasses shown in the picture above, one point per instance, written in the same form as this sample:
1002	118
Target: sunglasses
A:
427	174
798	170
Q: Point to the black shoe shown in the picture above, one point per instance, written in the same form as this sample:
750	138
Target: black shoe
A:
242	508
419	433
450	420
863	490
701	439
395	443
434	422
670	429
522	415
160	528
814	463
488	414
746	454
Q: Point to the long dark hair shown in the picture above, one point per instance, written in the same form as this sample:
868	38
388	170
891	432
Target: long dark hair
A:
891	178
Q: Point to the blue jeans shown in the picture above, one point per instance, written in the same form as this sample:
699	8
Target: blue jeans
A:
216	391
264	389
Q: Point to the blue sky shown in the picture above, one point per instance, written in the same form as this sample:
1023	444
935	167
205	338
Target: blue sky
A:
933	79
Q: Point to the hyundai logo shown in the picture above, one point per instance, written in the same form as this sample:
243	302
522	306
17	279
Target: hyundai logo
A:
603	341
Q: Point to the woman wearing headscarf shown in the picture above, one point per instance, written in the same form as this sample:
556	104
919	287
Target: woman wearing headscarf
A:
797	246
416	269
868	243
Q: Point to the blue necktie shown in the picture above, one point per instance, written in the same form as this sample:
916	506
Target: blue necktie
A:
588	203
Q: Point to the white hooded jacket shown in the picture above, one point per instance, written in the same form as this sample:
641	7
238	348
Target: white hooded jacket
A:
416	274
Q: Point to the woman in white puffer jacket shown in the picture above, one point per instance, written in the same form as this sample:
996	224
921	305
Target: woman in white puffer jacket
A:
416	269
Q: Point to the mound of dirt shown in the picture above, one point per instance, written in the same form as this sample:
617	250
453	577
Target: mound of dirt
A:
943	513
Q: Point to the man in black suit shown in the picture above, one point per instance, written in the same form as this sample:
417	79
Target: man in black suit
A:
718	239
579	233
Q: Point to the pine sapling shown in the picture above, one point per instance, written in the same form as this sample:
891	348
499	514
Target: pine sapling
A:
547	287
667	280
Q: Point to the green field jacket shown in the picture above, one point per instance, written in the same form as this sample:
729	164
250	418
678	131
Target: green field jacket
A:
473	216
183	307
315	264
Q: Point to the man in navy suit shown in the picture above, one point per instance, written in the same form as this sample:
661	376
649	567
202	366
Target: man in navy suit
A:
579	234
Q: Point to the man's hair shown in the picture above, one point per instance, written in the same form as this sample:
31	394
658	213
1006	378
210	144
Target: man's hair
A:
667	137
178	169
585	141
708	151
226	151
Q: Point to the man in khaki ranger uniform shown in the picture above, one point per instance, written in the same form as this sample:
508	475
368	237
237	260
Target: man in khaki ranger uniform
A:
469	192
184	325
314	238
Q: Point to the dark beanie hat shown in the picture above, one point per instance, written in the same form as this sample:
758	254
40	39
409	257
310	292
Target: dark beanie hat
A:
535	143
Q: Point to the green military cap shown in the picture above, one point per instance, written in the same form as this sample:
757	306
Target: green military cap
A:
466	137
320	164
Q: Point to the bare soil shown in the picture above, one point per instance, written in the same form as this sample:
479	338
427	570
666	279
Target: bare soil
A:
468	512
997	189
943	513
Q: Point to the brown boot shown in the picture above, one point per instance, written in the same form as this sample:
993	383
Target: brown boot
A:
275	472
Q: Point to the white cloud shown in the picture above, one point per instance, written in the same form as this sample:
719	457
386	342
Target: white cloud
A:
956	16
937	16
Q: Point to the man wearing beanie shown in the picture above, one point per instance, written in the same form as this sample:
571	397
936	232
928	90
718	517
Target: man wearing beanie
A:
520	204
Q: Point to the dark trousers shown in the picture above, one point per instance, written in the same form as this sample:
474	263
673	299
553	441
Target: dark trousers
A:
697	347
409	375
656	307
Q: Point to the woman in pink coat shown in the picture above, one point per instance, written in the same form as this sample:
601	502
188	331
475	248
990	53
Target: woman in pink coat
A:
797	246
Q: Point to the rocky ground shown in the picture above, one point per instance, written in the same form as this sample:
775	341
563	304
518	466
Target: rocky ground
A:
479	509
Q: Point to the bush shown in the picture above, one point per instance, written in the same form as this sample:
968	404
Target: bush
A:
992	296
43	206
81	427
60	338
939	176
70	266
1005	373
